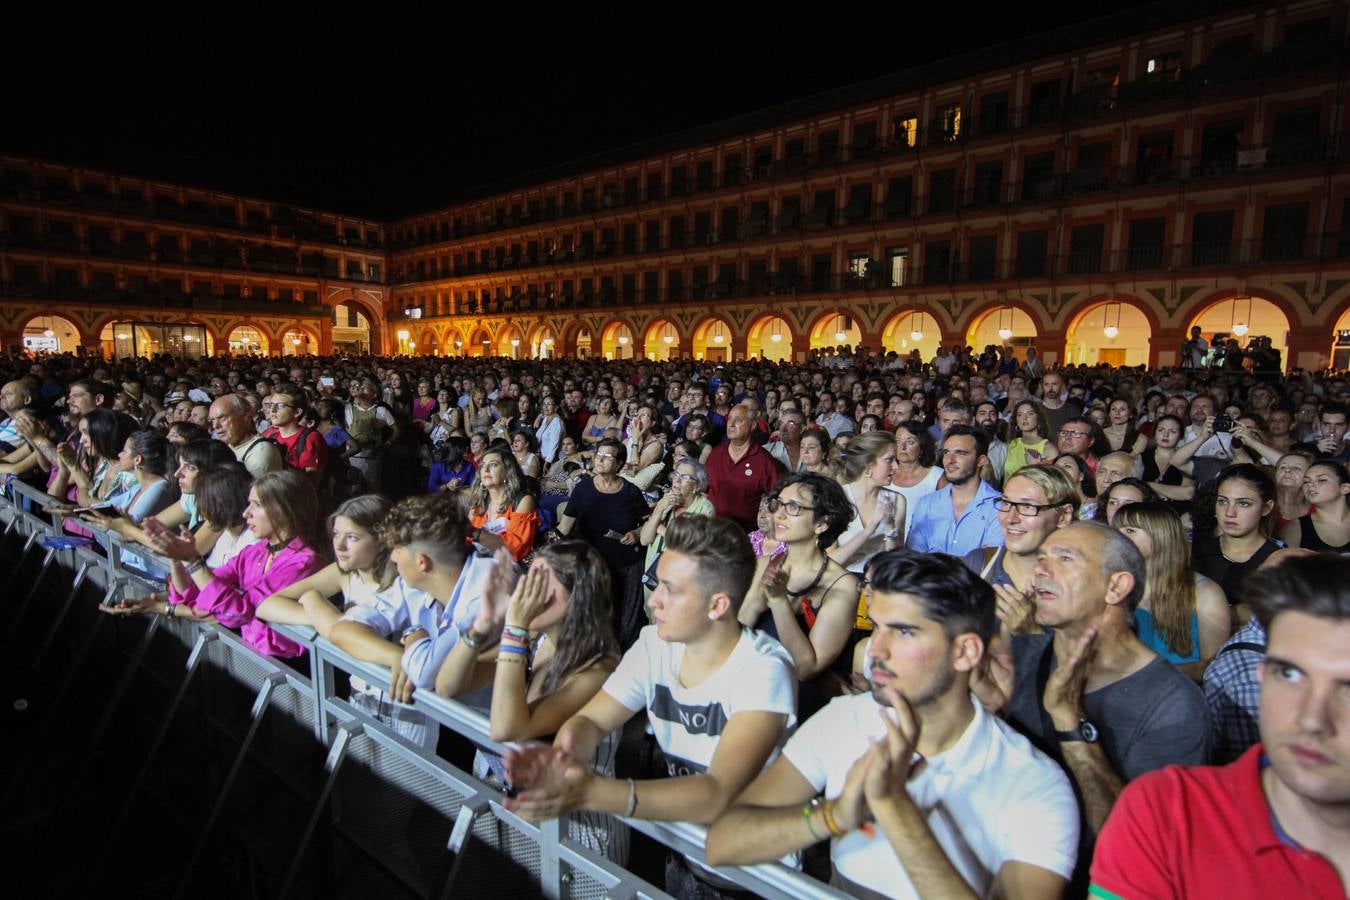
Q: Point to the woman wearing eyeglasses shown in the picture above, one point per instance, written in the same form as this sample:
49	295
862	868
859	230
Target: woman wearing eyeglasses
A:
800	595
688	495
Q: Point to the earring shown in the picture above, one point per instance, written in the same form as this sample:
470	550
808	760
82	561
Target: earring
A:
712	617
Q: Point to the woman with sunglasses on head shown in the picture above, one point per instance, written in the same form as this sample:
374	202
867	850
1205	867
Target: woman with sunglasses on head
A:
800	595
1182	616
688	495
1326	527
500	504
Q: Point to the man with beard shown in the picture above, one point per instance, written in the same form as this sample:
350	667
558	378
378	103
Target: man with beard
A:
928	795
960	517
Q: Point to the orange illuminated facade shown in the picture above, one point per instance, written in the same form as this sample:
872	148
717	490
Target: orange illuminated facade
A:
1092	193
129	266
1093	202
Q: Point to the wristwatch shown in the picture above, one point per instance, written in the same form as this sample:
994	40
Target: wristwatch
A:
1085	731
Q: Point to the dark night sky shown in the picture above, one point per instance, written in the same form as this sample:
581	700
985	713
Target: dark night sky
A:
382	111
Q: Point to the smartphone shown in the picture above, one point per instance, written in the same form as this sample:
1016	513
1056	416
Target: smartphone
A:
103	508
326	380
614	535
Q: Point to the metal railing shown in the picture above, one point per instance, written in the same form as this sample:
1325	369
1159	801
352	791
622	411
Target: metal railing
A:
563	867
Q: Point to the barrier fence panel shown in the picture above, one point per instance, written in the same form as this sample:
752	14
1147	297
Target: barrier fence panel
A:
562	866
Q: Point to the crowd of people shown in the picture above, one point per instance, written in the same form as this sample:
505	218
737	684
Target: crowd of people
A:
981	626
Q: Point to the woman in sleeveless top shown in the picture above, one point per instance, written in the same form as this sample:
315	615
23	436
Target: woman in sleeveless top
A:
1183	617
878	511
1032	445
801	596
1326	528
1290	501
916	475
1169	482
604	419
501	506
1243	505
554	649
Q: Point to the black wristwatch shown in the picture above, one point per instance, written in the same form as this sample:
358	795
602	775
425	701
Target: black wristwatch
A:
1085	731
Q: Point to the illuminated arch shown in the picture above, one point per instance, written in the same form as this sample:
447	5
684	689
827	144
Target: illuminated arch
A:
452	342
770	337
910	330
248	337
480	342
1005	324
353	330
1117	331
1244	316
712	339
51	333
836	328
122	338
510	342
427	343
299	341
543	342
661	340
618	340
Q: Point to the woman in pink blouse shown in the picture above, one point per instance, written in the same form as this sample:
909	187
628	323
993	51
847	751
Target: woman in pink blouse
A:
283	512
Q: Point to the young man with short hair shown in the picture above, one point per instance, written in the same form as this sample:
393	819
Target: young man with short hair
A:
1275	823
414	623
302	448
719	698
964	806
960	517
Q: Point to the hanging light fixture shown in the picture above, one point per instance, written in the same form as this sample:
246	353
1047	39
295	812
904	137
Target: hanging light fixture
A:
49	331
1111	330
777	334
668	333
1005	331
1240	328
839	334
718	336
916	329
623	339
515	342
295	342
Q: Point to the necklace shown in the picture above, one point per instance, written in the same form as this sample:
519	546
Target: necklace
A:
274	549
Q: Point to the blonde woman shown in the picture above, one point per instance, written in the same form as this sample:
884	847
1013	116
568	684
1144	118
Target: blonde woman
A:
865	471
1182	616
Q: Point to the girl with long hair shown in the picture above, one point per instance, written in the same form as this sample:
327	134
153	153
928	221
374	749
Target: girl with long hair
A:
555	647
1120	494
500	506
1169	481
149	457
548	429
1031	445
283	512
1084	482
222	498
1234	536
604	419
523	448
89	474
878	517
1182	616
1326	527
1121	428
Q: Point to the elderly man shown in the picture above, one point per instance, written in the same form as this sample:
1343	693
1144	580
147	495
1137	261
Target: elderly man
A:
1088	691
740	472
788	446
1117	465
231	420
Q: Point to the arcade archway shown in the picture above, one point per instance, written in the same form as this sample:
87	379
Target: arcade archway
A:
480	344
712	340
509	342
50	334
543	343
1244	318
351	329
1115	332
247	339
584	349
617	341
1003	326
770	338
835	330
299	342
662	341
912	330
188	340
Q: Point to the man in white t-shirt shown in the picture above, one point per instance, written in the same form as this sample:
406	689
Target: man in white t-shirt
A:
929	795
719	698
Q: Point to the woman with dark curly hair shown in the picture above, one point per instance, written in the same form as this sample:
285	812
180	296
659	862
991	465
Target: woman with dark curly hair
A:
800	595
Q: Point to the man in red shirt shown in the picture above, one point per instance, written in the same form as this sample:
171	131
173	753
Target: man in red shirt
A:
301	448
1275	823
740	472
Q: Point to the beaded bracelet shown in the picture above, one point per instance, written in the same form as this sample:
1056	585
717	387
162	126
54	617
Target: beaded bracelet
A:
807	810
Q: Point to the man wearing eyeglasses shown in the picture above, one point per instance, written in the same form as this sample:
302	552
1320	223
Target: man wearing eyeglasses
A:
231	421
302	448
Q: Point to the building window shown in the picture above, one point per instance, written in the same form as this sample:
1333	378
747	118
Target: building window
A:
857	265
907	131
897	261
947	123
1164	66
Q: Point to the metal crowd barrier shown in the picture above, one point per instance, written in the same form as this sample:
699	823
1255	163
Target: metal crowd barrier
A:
563	867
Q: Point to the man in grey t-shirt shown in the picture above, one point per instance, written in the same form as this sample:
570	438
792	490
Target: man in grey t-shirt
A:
1089	692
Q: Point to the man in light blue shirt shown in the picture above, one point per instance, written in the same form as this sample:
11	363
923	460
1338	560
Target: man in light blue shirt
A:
961	517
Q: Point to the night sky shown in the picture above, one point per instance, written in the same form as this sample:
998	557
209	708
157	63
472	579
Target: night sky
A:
385	111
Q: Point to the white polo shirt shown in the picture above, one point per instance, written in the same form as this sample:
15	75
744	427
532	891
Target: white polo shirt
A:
989	799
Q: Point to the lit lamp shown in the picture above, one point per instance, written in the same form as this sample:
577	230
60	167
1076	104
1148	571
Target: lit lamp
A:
623	339
1112	330
1240	329
668	338
403	335
295	342
1005	332
412	345
917	333
515	342
717	338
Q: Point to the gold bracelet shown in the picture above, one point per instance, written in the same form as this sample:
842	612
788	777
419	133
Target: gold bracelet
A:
828	810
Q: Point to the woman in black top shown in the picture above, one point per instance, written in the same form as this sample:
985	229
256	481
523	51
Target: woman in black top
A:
1326	528
1244	503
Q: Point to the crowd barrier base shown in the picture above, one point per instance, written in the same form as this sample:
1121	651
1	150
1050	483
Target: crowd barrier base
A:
380	792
